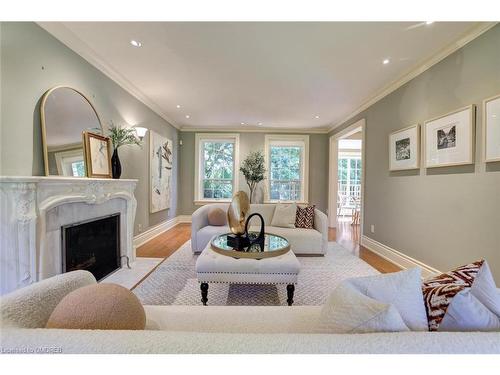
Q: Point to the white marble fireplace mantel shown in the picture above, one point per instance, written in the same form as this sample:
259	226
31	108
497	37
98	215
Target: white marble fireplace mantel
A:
32	210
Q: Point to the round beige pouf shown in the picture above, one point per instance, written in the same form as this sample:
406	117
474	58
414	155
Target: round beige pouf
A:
99	306
217	217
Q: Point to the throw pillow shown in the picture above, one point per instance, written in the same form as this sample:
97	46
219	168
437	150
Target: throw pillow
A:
217	217
401	289
99	306
440	290
485	289
304	217
467	313
284	215
349	311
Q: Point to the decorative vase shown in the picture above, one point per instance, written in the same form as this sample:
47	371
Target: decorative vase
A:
116	167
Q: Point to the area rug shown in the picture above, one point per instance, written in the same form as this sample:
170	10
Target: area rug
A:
174	281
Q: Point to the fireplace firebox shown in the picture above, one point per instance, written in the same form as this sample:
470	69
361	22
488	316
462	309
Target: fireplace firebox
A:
92	245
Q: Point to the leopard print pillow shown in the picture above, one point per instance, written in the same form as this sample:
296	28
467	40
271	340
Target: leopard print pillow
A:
440	290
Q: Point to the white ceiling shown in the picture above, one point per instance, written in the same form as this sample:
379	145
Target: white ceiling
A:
279	74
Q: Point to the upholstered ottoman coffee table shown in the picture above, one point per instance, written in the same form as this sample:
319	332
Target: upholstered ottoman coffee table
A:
276	264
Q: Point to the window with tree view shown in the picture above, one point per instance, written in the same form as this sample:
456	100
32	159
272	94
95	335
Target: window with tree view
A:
285	172
217	169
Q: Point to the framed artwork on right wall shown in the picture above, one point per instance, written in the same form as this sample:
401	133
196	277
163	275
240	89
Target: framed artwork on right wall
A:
404	148
449	139
491	129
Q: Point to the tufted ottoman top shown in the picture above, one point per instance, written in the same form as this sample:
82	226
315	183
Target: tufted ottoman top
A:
214	267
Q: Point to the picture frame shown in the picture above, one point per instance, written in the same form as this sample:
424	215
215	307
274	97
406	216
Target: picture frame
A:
404	148
97	149
160	171
448	140
491	129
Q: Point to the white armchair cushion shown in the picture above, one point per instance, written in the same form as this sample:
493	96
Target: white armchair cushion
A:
347	310
401	289
31	306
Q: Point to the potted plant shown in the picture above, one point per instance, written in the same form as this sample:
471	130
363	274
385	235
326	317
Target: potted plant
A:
120	137
253	170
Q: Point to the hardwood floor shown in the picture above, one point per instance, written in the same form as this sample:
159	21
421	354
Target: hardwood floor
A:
345	234
348	236
166	243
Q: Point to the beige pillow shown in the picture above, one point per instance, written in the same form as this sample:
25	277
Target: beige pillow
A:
284	215
99	306
217	217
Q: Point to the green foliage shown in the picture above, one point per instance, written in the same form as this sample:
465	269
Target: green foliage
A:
218	169
253	169
285	179
122	136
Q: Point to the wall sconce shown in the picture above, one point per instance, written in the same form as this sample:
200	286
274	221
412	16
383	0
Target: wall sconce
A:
141	132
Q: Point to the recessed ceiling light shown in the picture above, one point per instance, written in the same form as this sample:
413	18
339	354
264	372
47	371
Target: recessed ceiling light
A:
316	116
429	22
135	43
260	123
187	116
178	106
386	61
242	123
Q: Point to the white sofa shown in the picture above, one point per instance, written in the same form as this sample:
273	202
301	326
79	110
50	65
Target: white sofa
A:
206	329
302	241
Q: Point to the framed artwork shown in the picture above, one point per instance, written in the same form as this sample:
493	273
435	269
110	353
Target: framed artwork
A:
491	129
97	154
404	148
161	160
449	139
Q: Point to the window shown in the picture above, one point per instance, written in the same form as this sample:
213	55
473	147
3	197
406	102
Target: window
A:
216	173
287	162
350	175
70	163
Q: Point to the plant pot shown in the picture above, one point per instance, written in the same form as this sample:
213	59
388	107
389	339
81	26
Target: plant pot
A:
116	167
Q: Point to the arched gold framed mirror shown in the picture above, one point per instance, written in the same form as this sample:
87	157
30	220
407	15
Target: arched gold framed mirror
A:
65	114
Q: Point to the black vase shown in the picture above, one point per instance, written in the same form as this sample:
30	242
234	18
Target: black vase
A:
116	166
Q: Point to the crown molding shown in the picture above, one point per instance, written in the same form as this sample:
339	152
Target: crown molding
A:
419	69
247	129
73	42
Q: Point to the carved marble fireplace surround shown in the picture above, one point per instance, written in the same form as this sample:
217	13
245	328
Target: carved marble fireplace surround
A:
33	210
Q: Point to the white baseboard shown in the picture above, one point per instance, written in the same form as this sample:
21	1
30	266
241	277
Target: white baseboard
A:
396	257
155	231
184	218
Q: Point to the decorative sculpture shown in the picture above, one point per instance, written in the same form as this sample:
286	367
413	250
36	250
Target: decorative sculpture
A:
236	215
259	240
238	223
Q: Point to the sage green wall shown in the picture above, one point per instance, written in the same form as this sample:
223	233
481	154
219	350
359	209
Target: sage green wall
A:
318	168
443	217
32	61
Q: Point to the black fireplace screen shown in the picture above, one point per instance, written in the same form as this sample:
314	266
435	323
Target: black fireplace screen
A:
93	246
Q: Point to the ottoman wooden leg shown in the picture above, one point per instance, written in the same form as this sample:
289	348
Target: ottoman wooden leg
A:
290	288
204	293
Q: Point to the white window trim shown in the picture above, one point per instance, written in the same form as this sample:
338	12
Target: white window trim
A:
291	139
199	138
